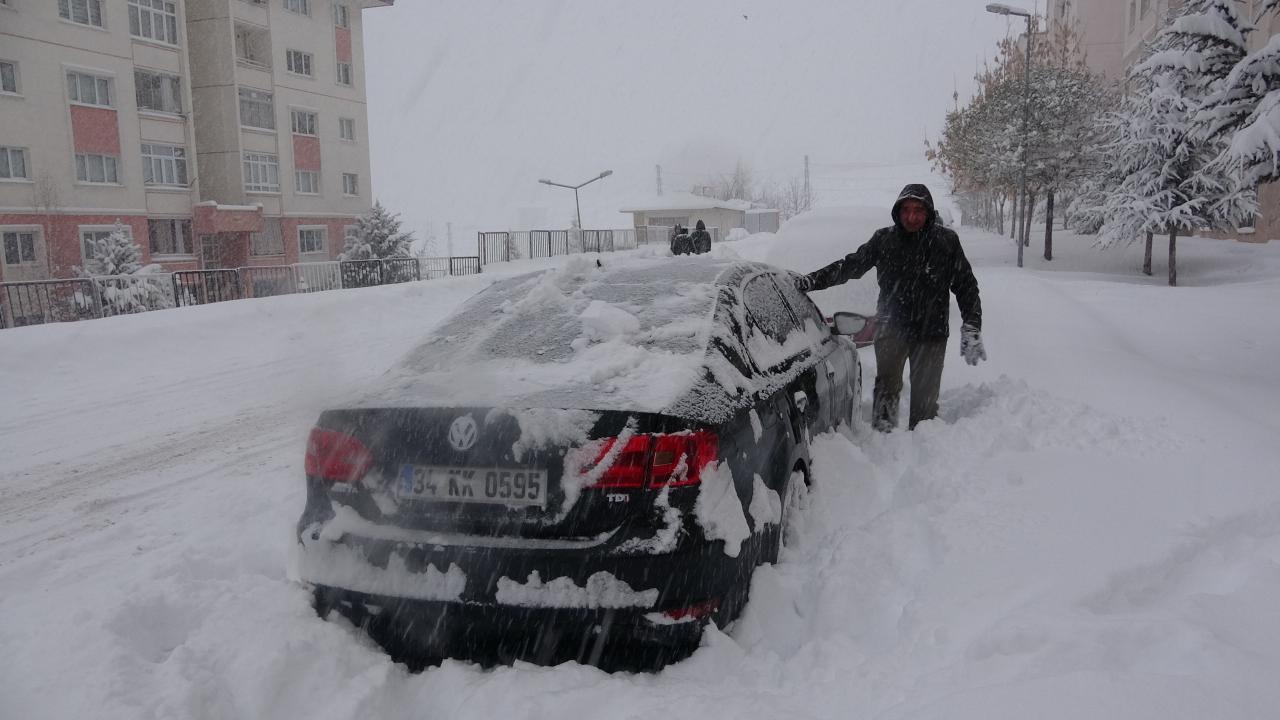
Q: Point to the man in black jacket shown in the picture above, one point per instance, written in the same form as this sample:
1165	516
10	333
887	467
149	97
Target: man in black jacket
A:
917	262
701	239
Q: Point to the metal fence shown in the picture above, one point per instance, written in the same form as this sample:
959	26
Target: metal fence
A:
508	245
268	281
44	301
318	276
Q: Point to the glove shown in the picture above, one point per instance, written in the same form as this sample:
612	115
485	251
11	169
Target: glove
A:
804	283
971	345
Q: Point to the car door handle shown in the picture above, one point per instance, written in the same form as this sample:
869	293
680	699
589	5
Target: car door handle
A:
802	400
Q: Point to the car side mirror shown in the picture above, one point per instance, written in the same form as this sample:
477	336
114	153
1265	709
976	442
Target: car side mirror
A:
847	323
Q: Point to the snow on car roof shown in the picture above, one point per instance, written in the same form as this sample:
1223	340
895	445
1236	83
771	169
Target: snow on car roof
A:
632	334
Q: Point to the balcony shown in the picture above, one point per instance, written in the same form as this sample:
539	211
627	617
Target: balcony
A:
253	46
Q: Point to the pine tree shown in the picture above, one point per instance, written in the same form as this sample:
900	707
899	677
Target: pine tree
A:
377	237
119	277
1244	114
1169	184
115	254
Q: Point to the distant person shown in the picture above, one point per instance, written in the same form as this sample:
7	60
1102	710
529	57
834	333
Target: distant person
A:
680	244
917	262
700	239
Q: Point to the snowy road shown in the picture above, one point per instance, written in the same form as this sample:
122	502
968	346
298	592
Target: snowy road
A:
1091	529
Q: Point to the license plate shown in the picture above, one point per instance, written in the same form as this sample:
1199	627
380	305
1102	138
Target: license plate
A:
492	486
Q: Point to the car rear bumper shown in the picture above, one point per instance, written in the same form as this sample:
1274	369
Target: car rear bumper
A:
691	574
451	628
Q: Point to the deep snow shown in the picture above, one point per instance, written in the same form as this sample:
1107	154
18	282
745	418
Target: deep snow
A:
1090	529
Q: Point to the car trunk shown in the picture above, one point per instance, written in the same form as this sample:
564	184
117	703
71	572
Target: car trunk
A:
467	471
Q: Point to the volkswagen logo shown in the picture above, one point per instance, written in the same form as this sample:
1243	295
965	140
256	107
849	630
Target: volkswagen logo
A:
463	432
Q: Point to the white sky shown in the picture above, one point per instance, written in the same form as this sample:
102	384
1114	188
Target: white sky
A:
472	101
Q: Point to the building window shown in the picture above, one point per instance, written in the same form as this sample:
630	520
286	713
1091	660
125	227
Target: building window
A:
82	12
298	62
344	73
92	168
347	129
9	77
306	182
257	109
253	46
154	20
302	7
304	122
1146	7
341	15
88	89
13	163
164	165
261	172
270	241
311	240
19	247
170	237
1133	14
350	184
158	91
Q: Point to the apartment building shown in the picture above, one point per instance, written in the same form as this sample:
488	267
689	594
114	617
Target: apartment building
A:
1100	24
1135	23
221	133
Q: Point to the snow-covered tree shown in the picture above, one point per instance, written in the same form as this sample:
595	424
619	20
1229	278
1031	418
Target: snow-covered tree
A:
983	144
1168	182
122	282
1244	113
377	237
115	254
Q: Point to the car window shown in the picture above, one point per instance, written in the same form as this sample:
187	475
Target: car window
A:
767	310
801	304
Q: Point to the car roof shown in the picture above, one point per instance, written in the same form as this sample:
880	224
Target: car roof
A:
629	334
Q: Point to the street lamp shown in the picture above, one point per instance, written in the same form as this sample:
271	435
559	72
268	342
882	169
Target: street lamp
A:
1002	9
575	188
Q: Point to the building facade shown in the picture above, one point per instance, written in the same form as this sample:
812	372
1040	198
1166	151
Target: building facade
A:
1101	29
220	133
1135	23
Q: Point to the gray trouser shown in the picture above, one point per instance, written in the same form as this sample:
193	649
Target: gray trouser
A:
926	357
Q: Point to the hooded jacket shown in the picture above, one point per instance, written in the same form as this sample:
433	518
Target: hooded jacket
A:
916	271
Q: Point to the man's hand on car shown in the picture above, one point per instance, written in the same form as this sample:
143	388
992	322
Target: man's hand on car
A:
804	283
971	345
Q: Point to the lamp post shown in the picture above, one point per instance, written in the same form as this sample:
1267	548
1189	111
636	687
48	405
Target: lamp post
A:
575	188
1024	229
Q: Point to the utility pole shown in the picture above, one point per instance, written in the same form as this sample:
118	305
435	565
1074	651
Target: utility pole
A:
448	234
1023	229
808	196
659	169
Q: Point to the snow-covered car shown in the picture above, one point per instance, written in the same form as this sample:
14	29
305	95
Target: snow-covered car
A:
585	463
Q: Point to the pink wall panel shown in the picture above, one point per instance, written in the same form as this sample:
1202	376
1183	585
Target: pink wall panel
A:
96	130
342	39
306	152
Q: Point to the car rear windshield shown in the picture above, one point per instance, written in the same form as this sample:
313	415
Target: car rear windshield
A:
630	334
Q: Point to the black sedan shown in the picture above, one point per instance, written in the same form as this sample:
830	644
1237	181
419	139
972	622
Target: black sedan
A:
580	464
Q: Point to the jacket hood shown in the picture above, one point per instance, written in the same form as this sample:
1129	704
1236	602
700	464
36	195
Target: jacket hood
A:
915	191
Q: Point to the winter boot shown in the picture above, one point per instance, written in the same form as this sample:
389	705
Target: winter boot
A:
884	410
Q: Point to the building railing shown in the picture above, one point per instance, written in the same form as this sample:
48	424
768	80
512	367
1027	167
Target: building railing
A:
37	302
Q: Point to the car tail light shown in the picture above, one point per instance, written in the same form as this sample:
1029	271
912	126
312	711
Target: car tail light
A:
662	460
336	456
693	612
